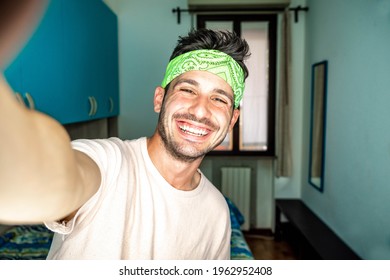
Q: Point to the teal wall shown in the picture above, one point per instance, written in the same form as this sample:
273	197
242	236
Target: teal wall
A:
354	36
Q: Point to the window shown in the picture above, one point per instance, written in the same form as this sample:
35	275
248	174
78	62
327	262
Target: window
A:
254	132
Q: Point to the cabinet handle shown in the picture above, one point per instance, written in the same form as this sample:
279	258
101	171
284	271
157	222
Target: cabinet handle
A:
111	105
93	106
96	105
20	100
30	101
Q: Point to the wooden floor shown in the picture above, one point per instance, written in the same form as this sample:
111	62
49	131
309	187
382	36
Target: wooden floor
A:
266	248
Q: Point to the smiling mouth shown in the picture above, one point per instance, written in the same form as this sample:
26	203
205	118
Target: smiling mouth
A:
193	131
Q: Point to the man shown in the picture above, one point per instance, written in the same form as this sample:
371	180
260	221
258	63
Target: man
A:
138	199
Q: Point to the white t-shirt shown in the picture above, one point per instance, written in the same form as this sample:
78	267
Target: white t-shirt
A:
136	214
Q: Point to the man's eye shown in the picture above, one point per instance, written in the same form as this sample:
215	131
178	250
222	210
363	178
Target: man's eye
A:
220	100
187	90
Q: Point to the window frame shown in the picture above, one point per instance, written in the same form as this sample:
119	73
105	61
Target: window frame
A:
237	19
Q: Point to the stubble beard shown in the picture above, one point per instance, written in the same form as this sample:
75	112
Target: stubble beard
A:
177	151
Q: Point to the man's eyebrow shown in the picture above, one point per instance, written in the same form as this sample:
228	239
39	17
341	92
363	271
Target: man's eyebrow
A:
188	81
221	91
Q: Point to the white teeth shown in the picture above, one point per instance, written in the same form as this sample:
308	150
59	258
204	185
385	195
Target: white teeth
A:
194	131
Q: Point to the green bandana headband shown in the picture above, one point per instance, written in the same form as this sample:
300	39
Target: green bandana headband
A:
212	61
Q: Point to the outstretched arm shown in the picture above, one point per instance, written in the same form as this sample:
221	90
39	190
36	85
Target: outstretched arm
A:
41	177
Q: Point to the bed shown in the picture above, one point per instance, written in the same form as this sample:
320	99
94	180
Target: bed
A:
32	242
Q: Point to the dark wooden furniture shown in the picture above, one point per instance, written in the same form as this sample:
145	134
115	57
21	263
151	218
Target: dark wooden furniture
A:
309	236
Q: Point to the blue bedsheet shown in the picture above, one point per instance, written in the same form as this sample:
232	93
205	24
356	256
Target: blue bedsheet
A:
25	243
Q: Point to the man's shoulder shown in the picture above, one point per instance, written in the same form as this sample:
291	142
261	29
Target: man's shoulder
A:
217	195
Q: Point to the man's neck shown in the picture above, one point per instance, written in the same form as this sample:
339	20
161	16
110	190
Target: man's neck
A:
179	174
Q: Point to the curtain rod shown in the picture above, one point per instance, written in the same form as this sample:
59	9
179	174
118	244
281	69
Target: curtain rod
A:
296	10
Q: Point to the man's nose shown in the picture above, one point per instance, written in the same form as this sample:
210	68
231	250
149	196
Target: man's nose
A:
200	107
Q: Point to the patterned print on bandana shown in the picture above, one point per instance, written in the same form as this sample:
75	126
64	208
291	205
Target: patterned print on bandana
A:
212	61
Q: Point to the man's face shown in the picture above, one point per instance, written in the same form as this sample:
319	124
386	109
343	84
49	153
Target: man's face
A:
195	115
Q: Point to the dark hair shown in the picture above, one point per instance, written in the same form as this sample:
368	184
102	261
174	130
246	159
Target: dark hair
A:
224	41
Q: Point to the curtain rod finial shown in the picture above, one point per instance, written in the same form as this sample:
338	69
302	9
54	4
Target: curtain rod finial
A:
178	11
297	10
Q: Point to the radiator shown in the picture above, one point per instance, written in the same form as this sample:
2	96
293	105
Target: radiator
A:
236	185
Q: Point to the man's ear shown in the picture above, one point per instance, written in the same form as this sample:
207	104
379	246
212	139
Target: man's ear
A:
159	93
236	114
